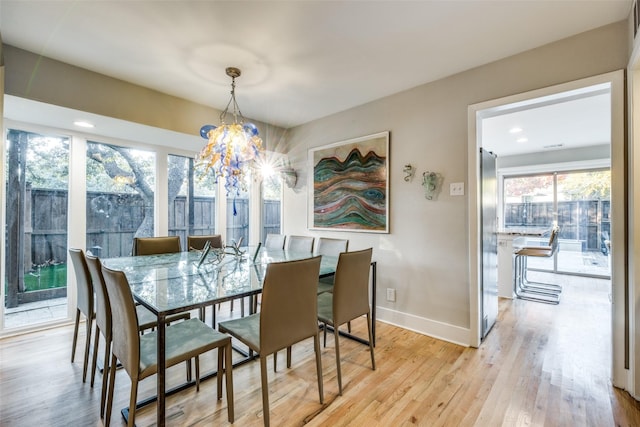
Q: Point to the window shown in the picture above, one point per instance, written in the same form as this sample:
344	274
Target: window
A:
36	227
271	202
192	199
120	198
579	203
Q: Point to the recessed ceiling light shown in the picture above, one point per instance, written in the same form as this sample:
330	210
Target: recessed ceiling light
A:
83	124
515	130
522	140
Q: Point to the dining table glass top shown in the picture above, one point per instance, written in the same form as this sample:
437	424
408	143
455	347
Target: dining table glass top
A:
168	283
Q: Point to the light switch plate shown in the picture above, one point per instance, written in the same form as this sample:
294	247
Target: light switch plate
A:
456	189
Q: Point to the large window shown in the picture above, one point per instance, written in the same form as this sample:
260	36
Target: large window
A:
238	214
37	182
120	198
271	202
579	203
191	199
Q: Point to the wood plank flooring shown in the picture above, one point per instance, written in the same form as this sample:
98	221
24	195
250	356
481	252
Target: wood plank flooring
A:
541	365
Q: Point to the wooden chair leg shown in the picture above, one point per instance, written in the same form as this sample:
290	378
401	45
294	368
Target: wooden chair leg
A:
265	390
289	357
94	361
338	368
221	356
87	346
75	335
275	361
132	402
105	373
373	360
316	345
112	380
228	372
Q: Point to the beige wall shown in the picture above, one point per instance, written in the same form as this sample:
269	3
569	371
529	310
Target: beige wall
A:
425	257
38	78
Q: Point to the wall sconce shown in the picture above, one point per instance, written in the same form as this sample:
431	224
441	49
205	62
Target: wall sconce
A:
289	176
409	171
430	184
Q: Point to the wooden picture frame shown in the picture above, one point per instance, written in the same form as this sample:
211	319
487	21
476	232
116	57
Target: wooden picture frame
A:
349	185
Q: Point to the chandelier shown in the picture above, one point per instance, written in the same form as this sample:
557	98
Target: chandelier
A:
232	147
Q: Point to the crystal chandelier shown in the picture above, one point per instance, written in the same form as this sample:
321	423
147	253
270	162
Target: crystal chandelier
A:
232	147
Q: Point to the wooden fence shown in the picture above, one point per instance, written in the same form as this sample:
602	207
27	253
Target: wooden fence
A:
113	218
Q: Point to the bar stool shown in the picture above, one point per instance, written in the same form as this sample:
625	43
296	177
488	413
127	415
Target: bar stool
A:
536	291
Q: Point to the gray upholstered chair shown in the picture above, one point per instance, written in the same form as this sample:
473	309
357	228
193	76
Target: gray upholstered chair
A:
288	315
155	245
146	320
349	299
274	241
198	242
84	306
329	247
300	243
137	353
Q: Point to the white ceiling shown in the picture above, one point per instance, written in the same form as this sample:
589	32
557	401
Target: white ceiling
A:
300	60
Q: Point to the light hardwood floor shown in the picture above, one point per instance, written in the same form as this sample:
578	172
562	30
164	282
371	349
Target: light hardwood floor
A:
541	365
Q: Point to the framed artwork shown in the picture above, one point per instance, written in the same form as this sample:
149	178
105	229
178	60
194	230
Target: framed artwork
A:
350	185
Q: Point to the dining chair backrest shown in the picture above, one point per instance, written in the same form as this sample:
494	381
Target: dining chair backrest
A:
300	243
274	241
331	247
289	309
351	285
155	245
198	242
103	307
83	282
126	341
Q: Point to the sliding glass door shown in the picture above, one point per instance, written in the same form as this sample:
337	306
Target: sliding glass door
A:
584	202
578	202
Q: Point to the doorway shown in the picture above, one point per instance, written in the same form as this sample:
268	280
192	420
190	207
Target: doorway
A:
613	83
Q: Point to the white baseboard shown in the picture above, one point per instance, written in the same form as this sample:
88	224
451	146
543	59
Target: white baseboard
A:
421	325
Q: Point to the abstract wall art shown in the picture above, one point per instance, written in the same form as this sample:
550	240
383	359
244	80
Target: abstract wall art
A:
350	190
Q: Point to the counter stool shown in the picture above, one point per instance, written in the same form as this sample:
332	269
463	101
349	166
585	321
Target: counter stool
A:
530	290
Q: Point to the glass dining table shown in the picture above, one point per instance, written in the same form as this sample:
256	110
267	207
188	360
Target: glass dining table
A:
173	283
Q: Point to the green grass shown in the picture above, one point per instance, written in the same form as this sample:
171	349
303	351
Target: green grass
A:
53	276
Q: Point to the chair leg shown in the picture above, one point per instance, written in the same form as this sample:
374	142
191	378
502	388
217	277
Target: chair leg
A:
289	357
87	346
112	380
132	402
105	373
324	329
188	363
228	373
197	373
338	369
96	340
75	335
373	360
275	361
221	356
265	390
316	345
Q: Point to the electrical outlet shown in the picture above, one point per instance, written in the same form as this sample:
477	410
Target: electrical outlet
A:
391	294
456	189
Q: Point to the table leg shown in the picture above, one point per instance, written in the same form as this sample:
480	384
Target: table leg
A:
161	386
374	266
